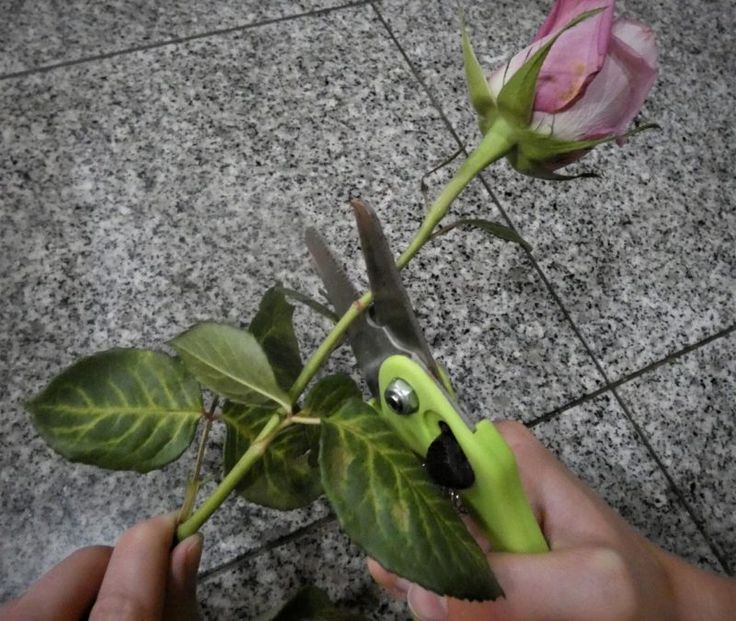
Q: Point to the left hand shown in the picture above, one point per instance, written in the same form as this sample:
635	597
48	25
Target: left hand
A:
140	579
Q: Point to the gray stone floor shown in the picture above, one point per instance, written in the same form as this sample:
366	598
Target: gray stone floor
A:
158	165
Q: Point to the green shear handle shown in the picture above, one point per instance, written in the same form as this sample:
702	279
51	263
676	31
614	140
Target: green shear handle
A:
496	498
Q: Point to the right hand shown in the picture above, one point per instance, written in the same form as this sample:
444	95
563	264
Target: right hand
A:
599	567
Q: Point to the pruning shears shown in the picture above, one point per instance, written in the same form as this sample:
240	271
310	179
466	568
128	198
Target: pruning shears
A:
413	394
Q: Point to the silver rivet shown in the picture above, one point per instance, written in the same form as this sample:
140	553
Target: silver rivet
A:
401	398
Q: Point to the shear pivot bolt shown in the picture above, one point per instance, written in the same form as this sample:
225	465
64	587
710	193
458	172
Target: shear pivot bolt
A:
401	397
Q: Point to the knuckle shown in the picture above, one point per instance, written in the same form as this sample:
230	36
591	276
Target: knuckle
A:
515	433
617	583
120	606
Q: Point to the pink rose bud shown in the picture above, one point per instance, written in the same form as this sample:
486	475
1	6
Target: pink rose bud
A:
579	83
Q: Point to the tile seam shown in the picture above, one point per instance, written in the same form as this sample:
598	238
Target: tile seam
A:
669	358
694	516
267	547
176	41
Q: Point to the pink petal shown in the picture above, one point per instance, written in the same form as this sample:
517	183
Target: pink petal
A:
577	56
616	94
639	37
503	73
564	11
574	59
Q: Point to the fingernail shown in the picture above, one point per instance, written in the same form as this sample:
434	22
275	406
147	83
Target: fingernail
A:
194	555
426	605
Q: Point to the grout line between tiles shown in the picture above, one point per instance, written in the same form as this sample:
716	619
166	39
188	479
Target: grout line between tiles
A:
608	385
271	545
631	376
697	520
177	40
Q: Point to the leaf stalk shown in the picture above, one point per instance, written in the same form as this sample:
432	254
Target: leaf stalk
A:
195	481
255	451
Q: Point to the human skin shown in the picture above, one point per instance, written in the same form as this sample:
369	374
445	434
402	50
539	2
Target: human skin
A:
140	579
599	567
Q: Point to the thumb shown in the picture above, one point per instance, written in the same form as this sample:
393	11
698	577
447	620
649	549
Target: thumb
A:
580	584
181	592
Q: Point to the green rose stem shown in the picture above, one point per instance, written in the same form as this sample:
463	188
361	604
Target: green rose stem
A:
496	143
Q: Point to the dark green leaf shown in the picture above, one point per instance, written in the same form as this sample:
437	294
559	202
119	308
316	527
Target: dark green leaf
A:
386	504
492	228
328	395
230	362
310	604
516	99
286	477
124	409
274	330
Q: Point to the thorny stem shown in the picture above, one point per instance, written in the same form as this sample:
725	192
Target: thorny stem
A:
321	354
495	144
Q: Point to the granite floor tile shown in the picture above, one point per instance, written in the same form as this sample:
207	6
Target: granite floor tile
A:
643	257
688	412
324	558
145	192
34	34
599	444
490	320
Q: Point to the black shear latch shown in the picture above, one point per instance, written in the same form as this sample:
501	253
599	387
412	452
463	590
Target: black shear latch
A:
446	463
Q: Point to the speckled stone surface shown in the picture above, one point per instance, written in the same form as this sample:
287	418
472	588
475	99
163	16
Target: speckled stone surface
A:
688	411
644	257
35	34
324	557
146	191
600	445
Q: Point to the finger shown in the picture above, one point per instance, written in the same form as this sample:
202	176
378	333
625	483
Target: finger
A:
181	590
534	461
532	585
66	592
134	586
567	510
395	585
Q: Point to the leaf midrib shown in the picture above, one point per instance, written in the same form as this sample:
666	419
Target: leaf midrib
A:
111	410
237	380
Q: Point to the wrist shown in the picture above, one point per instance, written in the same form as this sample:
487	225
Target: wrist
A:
700	595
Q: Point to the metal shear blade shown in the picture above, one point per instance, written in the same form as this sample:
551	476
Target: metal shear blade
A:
390	326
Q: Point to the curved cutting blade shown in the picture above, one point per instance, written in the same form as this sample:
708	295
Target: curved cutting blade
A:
392	310
370	344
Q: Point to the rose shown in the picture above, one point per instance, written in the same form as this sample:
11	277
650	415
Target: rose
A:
580	82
